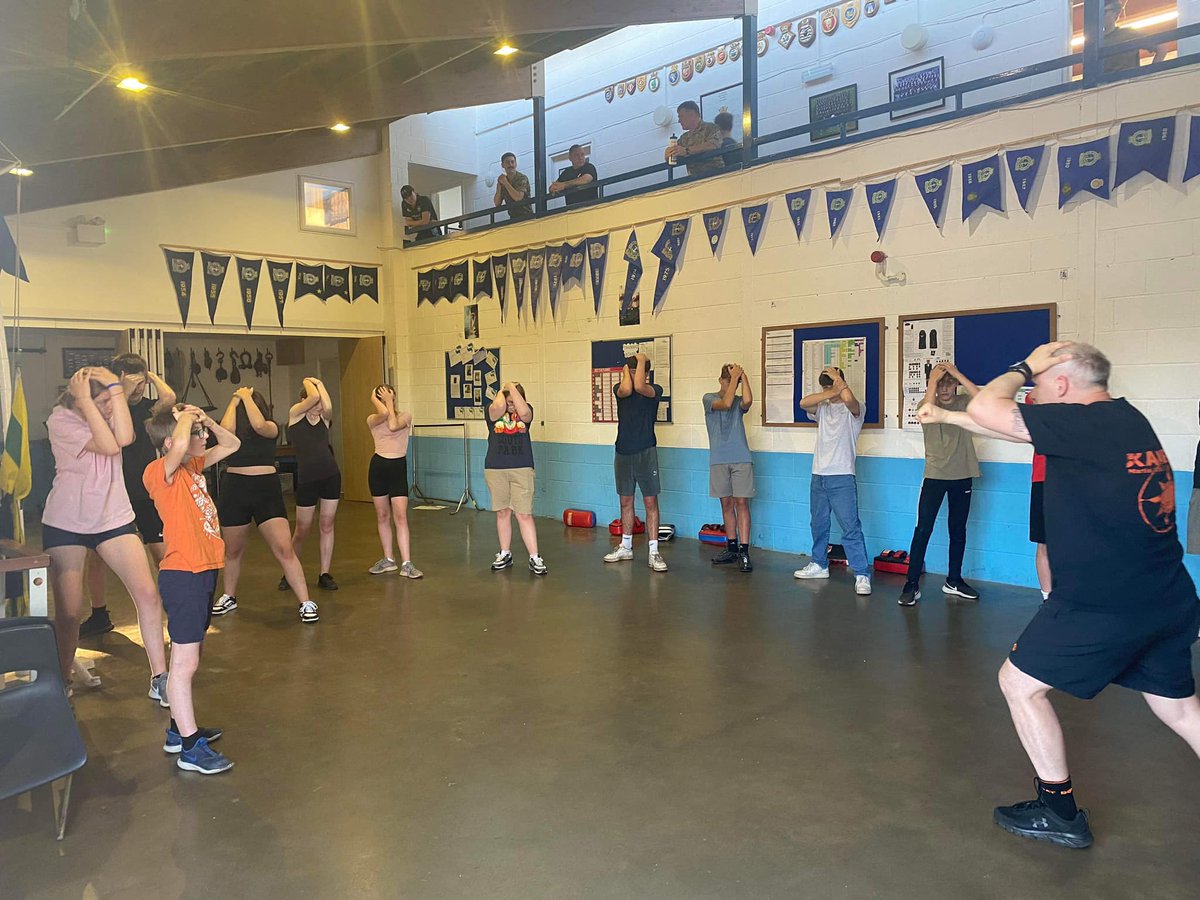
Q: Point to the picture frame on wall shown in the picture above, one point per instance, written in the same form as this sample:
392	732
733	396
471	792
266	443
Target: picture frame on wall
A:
831	105
326	206
76	358
913	81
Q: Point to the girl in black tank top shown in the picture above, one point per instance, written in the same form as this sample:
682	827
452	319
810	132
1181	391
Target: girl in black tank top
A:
318	481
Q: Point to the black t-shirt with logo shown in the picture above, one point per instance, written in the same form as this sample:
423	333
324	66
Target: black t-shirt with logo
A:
415	209
1110	508
140	453
636	415
509	444
583	193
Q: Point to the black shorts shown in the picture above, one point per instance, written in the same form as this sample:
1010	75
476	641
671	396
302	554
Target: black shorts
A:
308	493
145	517
1037	512
60	537
1080	651
187	600
388	477
247	497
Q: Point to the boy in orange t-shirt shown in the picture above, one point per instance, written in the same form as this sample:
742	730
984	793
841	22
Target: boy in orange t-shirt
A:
187	575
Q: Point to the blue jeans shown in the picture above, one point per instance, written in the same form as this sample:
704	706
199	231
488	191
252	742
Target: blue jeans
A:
839	494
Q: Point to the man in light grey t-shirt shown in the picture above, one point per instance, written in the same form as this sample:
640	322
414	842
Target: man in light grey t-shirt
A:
730	473
833	488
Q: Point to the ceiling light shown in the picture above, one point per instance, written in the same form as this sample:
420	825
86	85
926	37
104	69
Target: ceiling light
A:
506	49
1138	24
132	84
22	171
340	127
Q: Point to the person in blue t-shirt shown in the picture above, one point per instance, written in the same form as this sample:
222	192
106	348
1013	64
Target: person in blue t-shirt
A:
730	473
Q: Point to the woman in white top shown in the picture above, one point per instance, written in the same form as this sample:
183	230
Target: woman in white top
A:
387	478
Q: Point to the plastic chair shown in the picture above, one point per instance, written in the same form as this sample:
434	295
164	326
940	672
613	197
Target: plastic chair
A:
39	739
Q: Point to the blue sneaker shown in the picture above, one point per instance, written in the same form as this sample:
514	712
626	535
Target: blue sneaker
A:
174	741
203	759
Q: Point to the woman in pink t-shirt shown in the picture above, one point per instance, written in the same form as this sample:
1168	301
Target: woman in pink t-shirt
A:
88	509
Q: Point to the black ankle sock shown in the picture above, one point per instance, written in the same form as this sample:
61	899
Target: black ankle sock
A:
731	544
99	610
189	741
1059	796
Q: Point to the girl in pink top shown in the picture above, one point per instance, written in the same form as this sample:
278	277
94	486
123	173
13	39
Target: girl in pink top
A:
88	509
387	479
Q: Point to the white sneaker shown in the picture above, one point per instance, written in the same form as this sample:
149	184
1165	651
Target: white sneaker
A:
812	570
308	613
862	585
620	552
656	562
226	603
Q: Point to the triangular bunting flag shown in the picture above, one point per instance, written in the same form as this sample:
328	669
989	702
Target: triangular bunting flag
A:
481	278
633	273
555	256
518	263
500	283
837	204
337	283
753	220
669	246
572	273
280	275
597	253
1083	168
460	283
1025	167
310	280
666	274
214	269
982	186
714	226
1192	169
248	272
797	204
879	199
179	265
933	188
1145	147
364	281
537	268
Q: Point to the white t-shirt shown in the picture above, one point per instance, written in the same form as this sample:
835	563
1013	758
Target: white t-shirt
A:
837	435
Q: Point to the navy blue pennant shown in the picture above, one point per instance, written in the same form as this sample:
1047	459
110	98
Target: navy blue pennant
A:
214	266
311	280
934	187
666	274
837	204
1145	147
982	186
573	264
518	263
14	266
669	246
424	287
179	265
879	199
481	278
633	273
797	204
537	268
460	282
364	281
754	218
555	257
248	273
597	252
1083	168
1025	166
1192	169
500	283
441	285
714	226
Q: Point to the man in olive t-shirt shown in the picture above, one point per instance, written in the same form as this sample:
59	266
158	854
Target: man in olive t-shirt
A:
512	190
699	137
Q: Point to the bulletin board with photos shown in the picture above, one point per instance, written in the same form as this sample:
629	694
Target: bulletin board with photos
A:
472	380
608	362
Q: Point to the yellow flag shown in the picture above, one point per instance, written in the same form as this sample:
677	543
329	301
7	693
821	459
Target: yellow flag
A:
16	473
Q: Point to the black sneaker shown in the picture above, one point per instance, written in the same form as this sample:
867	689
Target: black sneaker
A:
910	595
744	562
326	583
1033	819
96	624
728	555
283	585
960	588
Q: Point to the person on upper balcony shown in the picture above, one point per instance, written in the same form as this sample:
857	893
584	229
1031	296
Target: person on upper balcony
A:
732	147
699	137
1116	34
420	218
512	190
571	181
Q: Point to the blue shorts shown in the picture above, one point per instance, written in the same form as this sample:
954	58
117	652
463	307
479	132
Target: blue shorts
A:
187	599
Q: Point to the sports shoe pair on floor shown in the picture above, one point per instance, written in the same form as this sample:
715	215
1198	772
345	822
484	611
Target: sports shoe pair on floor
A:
504	560
202	757
227	603
621	554
385	565
730	555
954	586
862	583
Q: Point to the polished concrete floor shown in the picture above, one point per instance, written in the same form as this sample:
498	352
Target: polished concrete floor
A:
602	732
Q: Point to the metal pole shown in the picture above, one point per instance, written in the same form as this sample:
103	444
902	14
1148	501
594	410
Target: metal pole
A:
538	84
1093	41
749	85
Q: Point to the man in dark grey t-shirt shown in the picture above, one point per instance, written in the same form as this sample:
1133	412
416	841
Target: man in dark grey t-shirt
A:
730	473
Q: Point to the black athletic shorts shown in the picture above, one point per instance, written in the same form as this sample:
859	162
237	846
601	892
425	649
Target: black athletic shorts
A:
1080	651
388	477
1037	512
187	600
250	497
308	493
60	537
145	516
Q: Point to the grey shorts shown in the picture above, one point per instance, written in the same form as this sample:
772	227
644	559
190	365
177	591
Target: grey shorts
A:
731	480
637	470
1193	523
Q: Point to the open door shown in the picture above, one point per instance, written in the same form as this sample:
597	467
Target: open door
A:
362	370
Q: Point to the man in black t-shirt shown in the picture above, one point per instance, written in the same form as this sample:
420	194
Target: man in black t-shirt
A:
636	462
418	211
572	179
1123	609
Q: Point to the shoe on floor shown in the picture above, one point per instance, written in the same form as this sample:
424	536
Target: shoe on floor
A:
83	673
174	741
744	564
910	595
862	585
283	585
96	624
656	562
226	603
203	759
308	612
812	570
960	588
1033	819
503	560
408	570
326	583
727	556
158	690
619	554
382	567
537	565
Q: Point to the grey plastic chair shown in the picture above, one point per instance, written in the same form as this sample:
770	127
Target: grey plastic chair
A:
39	739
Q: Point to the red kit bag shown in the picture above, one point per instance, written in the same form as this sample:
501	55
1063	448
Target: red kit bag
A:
614	527
579	518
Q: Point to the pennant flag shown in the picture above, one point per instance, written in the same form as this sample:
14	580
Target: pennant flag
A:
669	246
519	264
554	263
16	470
1083	167
215	268
1192	169
933	188
481	278
633	273
179	266
982	186
1145	147
666	274
280	274
500	282
8	254
573	264
837	204
364	281
424	287
310	280
441	285
714	225
753	219
597	251
537	268
337	283
1025	166
797	204
248	272
879	199
460	284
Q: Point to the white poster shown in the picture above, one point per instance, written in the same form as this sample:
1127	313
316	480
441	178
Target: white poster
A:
779	364
927	342
847	354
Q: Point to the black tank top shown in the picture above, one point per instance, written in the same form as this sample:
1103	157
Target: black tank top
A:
256	450
314	456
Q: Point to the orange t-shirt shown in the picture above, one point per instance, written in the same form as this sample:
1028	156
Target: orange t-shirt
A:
190	528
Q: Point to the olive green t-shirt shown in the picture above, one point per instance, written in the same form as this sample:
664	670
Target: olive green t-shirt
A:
704	133
949	450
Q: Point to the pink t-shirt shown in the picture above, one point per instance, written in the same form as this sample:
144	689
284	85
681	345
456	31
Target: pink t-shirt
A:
388	443
88	495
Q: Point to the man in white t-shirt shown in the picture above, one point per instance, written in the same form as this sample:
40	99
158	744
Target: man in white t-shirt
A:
833	488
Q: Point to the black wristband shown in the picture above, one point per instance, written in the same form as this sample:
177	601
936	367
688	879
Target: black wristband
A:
1021	368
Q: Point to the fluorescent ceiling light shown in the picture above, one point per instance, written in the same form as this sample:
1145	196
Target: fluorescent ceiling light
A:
132	84
22	171
506	49
1138	24
339	127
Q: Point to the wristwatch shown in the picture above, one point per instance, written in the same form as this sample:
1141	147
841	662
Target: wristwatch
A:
1021	368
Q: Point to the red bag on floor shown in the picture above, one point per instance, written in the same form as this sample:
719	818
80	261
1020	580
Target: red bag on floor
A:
579	518
713	534
614	527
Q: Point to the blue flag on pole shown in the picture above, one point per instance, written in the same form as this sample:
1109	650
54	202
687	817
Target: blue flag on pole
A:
1083	168
837	204
633	273
500	283
597	252
982	186
1025	166
518	263
1145	147
555	257
714	225
754	218
537	268
797	204
1192	169
879	199
573	265
934	187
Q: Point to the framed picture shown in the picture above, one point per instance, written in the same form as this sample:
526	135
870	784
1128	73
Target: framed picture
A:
725	100
923	78
830	105
76	358
326	206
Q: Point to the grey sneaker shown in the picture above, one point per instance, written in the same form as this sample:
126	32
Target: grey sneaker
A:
657	563
158	689
384	566
408	570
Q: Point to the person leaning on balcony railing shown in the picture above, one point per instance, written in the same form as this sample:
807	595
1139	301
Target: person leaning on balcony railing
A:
512	190
733	155
420	218
571	181
698	137
1116	34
